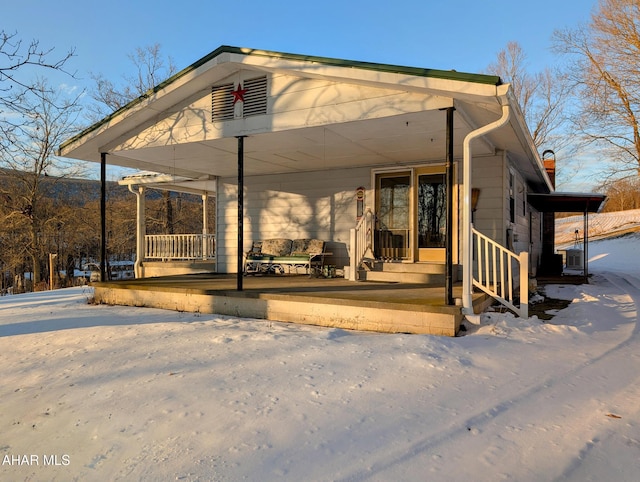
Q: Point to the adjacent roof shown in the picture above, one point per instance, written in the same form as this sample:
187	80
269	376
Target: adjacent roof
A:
166	182
559	202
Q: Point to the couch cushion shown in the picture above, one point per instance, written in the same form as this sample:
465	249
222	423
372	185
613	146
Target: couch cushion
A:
276	247
307	246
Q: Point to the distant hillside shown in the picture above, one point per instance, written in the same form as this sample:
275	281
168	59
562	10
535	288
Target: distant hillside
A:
601	225
75	190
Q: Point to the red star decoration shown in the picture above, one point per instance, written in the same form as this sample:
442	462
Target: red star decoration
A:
238	94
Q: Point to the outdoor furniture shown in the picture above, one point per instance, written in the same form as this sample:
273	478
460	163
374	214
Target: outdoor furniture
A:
272	255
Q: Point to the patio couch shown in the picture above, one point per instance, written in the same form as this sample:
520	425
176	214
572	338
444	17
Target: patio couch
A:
272	255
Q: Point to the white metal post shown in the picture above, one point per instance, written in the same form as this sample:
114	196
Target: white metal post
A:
467	236
140	230
205	227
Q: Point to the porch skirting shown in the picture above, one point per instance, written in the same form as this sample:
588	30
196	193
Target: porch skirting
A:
177	267
396	310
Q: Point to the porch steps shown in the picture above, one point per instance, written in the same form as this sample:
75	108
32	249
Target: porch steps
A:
429	273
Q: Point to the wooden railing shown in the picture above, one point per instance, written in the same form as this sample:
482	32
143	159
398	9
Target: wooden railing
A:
496	270
180	246
361	240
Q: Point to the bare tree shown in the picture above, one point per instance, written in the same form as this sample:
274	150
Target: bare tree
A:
622	194
542	96
46	118
151	69
17	63
605	67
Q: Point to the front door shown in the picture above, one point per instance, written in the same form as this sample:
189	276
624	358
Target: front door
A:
394	212
411	209
431	215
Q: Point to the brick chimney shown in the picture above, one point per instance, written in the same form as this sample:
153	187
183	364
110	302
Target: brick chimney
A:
550	167
551	263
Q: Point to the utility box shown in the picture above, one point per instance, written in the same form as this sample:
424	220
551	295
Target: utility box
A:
575	259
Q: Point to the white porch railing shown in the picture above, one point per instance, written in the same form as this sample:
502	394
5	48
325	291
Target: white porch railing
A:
495	272
180	246
361	243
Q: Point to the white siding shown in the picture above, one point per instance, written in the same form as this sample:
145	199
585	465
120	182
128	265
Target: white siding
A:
292	102
490	176
319	204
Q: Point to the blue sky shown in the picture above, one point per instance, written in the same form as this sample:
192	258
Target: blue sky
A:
464	35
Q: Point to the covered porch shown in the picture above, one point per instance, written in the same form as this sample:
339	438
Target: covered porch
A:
303	147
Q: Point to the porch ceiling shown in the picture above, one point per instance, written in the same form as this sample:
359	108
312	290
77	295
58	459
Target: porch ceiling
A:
387	141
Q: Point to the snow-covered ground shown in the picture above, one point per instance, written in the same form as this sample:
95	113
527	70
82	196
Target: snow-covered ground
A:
600	225
117	393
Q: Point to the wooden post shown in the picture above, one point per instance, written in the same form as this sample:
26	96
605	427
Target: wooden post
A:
52	257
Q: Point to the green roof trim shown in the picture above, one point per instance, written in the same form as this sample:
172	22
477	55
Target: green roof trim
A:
389	68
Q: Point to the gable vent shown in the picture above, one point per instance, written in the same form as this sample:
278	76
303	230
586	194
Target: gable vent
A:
255	97
222	102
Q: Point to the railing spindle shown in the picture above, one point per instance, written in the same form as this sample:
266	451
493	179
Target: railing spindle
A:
497	265
180	246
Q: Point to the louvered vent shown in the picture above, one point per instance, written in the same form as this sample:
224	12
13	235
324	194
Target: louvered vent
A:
255	97
222	102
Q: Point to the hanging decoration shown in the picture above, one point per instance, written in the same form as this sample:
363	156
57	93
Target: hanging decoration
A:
238	94
360	192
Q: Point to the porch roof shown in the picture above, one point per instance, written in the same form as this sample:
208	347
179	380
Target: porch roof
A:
166	182
567	202
381	134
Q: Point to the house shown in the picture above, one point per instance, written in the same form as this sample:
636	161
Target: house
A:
389	165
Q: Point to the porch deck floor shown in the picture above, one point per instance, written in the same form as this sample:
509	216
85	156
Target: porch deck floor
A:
406	307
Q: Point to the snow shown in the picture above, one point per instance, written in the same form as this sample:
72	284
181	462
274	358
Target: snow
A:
600	224
94	392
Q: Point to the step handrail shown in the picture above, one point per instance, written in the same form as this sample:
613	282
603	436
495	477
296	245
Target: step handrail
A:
361	240
496	270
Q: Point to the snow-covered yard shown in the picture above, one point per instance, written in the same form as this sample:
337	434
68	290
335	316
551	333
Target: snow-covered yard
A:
600	224
116	393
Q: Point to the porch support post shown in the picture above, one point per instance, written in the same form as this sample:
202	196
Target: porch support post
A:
448	300
140	230
240	211
467	226
585	251
205	227
103	216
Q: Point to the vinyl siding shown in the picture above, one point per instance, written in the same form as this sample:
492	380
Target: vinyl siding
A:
492	218
490	176
319	204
